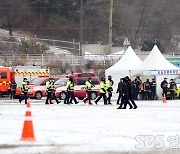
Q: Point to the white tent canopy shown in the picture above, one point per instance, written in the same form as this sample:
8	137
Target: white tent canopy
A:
155	63
124	66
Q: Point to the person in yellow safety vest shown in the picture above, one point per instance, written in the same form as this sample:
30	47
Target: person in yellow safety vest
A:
70	92
53	96
48	92
24	90
109	84
89	86
102	92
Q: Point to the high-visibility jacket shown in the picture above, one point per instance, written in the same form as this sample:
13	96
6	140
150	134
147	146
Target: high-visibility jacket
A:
48	86
102	87
24	86
70	85
109	84
88	85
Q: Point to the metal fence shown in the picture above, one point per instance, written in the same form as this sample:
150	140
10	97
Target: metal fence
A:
48	59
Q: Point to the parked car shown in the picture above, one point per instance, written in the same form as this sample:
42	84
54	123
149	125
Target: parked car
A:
79	87
37	87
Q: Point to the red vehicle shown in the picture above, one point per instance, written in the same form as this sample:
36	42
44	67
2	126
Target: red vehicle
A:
37	87
79	87
6	77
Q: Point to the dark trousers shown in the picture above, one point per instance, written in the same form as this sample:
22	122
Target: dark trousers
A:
165	92
13	93
89	96
109	97
132	101
72	97
53	97
102	95
125	102
172	94
49	97
119	97
24	97
69	97
153	94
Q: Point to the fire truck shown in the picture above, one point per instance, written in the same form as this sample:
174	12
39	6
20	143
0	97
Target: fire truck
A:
17	73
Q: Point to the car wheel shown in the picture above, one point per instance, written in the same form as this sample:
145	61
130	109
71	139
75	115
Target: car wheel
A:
93	95
62	96
80	98
38	95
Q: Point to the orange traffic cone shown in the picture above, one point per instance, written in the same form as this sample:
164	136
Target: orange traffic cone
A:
28	131
164	98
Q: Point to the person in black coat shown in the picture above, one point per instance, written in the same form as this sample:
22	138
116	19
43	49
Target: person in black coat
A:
125	95
153	89
130	91
172	88
119	90
164	86
13	87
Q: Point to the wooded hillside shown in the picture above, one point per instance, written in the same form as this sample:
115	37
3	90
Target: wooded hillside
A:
142	21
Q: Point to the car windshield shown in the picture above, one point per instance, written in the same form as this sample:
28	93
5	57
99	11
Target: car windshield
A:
177	80
36	81
61	81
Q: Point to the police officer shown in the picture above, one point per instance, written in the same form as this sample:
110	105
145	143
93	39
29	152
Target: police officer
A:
119	90
109	84
89	86
53	96
172	88
24	90
102	92
164	86
49	91
13	87
70	92
153	89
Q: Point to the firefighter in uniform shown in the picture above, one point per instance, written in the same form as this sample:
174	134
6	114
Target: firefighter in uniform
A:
24	90
109	84
53	96
49	91
89	86
172	88
13	87
70	92
147	88
102	92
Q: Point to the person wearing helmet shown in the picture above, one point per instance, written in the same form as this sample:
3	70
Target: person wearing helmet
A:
109	84
24	90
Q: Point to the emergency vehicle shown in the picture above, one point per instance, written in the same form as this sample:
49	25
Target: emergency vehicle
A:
37	87
17	73
79	87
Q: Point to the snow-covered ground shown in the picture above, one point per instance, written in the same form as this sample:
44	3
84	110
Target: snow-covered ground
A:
91	129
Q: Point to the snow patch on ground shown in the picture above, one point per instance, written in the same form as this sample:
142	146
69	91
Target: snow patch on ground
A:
87	129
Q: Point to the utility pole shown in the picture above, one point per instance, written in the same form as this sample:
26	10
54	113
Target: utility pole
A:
81	27
110	25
